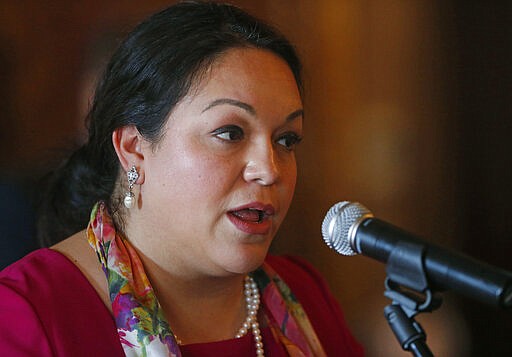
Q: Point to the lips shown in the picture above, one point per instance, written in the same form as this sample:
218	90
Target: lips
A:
253	218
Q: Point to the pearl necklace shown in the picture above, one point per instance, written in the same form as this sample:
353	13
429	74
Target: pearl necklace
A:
252	300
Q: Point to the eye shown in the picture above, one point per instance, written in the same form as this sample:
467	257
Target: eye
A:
289	140
229	133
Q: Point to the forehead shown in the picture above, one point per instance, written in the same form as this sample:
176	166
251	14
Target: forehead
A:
249	74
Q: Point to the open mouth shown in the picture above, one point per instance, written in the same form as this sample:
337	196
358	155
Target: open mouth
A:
253	219
250	215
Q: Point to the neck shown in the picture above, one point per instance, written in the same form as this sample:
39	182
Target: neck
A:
193	304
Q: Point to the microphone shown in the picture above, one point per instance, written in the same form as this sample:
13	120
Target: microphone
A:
350	228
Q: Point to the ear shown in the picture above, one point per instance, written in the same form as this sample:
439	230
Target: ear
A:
128	144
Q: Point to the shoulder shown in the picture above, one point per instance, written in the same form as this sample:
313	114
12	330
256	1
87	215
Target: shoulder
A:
77	249
18	288
303	278
43	273
44	279
36	268
322	308
294	268
44	302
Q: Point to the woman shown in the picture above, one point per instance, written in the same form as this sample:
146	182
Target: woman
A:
189	170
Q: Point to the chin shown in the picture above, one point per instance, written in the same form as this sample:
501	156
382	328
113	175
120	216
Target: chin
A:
246	262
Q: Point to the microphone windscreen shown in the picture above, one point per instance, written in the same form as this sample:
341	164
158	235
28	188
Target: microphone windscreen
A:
338	222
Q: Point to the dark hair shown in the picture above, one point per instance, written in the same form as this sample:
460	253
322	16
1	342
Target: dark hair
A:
150	72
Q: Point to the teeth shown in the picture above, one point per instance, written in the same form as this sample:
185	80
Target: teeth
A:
250	214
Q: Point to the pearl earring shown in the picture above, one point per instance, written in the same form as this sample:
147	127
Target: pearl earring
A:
129	197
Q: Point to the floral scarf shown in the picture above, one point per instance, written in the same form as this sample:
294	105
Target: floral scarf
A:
141	325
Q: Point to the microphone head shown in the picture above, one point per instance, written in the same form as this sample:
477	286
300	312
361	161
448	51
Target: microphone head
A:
338	224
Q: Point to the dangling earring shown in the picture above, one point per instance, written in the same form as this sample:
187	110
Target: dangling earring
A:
129	197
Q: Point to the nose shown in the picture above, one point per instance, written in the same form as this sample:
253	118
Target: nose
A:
262	166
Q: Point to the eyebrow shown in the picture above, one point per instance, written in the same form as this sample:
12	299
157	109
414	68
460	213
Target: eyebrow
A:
248	108
295	114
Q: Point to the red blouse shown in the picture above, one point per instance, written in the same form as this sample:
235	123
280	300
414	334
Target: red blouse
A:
49	308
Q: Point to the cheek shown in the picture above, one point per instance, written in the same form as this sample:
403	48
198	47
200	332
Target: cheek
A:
189	173
207	177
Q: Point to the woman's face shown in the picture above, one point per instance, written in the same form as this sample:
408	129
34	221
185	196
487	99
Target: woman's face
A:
219	184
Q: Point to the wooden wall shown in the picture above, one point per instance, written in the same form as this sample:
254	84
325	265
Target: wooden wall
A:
406	111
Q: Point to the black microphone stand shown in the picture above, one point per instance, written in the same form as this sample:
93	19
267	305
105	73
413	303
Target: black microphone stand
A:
407	287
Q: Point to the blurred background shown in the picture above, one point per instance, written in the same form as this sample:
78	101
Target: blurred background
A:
407	111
